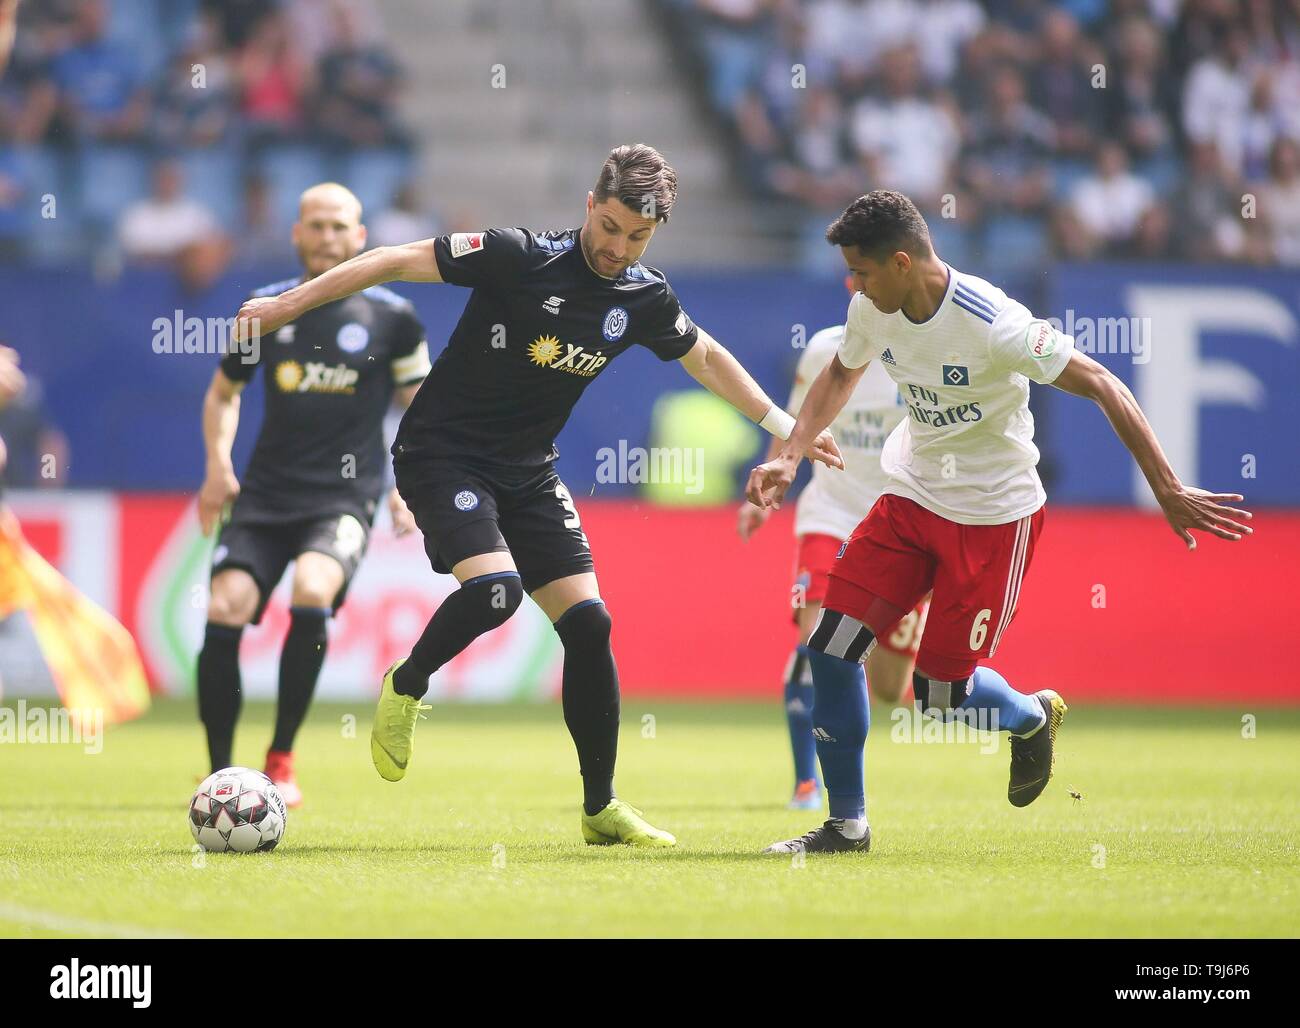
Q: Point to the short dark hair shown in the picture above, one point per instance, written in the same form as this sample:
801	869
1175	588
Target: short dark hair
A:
879	224
639	178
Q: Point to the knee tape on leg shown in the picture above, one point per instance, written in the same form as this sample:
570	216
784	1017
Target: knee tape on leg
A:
838	635
938	699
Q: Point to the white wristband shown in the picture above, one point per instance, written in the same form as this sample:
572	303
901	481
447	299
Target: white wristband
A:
778	422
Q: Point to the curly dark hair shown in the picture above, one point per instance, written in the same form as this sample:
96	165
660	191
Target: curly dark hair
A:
881	223
639	178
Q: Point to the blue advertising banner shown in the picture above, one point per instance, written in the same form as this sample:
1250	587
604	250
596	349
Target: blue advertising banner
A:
1212	355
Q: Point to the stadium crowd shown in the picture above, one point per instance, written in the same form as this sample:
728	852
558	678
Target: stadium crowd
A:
1025	129
156	123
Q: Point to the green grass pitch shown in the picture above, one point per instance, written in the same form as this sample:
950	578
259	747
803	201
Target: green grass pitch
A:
1185	828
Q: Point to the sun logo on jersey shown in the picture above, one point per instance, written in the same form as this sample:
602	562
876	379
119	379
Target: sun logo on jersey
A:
543	350
288	375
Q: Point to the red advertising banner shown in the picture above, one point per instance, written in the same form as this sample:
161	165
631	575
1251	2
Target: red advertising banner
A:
1114	607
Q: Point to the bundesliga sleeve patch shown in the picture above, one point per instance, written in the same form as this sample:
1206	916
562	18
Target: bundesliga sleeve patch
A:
465	242
1040	340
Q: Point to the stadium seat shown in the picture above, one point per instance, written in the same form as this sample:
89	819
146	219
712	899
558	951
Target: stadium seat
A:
288	170
111	179
1066	174
951	241
374	175
138	25
212	175
1163	172
1013	246
40	171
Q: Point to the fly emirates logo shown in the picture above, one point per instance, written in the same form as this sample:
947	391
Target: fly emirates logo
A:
923	406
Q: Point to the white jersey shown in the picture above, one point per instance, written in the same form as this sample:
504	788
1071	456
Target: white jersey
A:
966	451
834	501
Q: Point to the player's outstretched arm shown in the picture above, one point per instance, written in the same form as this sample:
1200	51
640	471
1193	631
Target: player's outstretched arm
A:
1185	507
712	365
220	423
410	262
830	391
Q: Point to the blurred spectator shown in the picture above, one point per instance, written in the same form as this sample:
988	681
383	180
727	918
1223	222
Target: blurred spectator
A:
1154	236
402	221
1062	84
315	28
169	228
274	83
1109	205
1140	93
1006	164
359	83
736	33
1278	201
1207	209
8	29
942	29
1217	99
102	95
1198	30
812	164
28	97
239	20
190	111
842	33
905	140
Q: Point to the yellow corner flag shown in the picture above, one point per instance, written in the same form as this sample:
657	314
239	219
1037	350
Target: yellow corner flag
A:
92	659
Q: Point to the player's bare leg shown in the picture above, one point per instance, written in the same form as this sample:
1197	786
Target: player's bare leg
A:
889	674
317	579
232	603
490	591
591	709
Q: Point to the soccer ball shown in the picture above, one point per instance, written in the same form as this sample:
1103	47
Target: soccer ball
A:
237	809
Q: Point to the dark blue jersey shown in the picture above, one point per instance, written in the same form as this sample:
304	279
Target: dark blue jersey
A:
329	381
539	326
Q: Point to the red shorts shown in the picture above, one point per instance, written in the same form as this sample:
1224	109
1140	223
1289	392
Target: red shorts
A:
813	560
902	551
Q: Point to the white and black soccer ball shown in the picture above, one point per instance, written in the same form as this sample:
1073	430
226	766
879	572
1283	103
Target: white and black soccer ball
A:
237	809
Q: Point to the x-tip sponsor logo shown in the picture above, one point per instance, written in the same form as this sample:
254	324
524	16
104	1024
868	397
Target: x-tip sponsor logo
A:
544	351
315	377
103	981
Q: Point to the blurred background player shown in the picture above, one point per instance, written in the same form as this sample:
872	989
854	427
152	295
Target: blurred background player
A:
8	29
829	508
315	477
12	383
963	507
474	457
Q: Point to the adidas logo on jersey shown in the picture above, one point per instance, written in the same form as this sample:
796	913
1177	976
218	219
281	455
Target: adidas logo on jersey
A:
888	358
821	735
